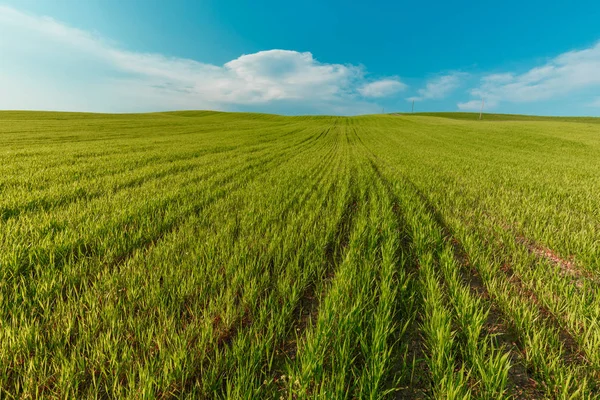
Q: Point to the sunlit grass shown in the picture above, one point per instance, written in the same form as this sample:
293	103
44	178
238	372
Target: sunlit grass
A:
217	255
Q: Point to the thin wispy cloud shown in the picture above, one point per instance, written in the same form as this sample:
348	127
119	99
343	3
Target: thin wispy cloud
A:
471	105
560	76
439	87
128	80
595	102
382	88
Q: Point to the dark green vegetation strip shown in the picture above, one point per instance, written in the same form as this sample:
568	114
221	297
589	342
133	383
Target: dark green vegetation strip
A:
503	117
214	255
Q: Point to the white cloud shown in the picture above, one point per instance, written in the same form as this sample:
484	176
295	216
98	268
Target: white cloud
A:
595	102
113	79
566	73
439	87
382	88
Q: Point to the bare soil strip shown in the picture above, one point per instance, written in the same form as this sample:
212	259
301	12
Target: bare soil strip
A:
568	267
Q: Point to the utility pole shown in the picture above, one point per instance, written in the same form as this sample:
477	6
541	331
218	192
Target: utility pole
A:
413	107
481	111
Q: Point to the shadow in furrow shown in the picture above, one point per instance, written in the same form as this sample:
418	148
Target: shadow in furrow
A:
307	307
417	385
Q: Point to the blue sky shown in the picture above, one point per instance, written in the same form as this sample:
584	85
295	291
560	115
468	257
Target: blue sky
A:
317	57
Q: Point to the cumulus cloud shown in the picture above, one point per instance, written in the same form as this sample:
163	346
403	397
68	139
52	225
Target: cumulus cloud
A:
439	87
382	88
566	73
122	80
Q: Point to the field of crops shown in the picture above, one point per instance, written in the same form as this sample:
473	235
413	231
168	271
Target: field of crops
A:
216	255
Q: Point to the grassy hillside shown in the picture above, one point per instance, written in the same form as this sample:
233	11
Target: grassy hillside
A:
234	255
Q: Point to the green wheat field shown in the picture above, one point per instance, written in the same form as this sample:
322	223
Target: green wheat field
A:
235	255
